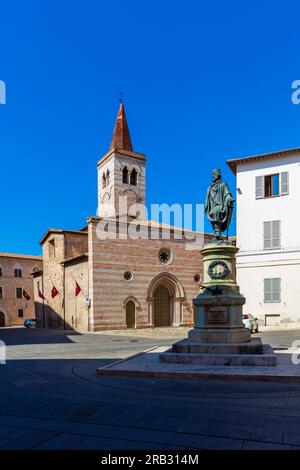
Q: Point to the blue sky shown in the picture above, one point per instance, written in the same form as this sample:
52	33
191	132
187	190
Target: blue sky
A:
202	82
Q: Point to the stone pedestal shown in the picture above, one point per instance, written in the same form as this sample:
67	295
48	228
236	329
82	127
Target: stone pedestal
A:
219	336
218	307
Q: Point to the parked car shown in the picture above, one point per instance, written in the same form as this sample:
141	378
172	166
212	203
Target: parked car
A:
250	322
30	323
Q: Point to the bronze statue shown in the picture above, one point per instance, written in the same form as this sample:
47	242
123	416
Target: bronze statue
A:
219	204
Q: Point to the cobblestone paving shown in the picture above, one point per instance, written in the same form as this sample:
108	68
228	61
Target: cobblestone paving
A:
51	398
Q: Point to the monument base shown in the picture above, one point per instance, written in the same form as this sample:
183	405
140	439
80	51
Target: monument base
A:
219	335
255	346
251	353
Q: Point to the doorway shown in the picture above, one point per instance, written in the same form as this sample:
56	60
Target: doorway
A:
2	319
130	314
162	307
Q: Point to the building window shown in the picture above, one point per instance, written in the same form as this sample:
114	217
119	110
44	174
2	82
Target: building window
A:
1	271
125	175
272	290
17	272
197	278
133	177
164	256
128	275
273	185
271	234
103	181
20	313
1	292
107	178
52	248
19	292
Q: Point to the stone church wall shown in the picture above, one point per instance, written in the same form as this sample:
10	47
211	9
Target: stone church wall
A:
108	261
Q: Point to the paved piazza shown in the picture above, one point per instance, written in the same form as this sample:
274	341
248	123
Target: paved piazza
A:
51	398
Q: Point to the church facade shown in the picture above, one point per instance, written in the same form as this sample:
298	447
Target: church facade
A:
122	270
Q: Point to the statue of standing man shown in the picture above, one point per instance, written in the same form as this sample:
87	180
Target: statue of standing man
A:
219	204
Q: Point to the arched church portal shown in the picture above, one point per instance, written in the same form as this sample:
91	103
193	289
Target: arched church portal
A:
165	297
162	306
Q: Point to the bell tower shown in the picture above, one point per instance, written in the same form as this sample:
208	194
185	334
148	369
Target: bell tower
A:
121	175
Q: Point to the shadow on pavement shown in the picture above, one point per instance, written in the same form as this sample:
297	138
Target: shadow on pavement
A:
19	336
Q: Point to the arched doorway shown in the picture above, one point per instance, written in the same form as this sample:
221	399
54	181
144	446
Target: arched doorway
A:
165	297
130	314
2	319
162	306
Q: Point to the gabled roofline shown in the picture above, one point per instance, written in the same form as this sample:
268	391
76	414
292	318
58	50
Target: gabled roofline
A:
234	162
57	230
75	258
19	256
148	223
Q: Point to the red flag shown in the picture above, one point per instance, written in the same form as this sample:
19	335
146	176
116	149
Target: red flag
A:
26	295
41	295
54	292
77	289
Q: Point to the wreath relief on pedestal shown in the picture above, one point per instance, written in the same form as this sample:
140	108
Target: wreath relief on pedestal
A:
218	270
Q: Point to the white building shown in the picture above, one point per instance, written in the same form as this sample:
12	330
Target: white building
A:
268	234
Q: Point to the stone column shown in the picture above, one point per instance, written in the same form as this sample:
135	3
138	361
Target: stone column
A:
177	312
150	301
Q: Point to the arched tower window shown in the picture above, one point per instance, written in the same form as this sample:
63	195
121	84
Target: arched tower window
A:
125	175
103	180
107	178
1	271
133	177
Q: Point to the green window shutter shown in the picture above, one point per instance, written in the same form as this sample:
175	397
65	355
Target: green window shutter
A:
284	182
259	187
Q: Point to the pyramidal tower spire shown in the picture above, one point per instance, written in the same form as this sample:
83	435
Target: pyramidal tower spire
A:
121	136
121	176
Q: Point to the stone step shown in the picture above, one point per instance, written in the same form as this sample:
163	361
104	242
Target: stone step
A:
254	346
267	358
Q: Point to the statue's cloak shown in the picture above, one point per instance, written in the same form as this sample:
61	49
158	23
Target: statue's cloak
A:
217	204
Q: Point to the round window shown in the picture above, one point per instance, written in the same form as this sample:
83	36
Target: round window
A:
128	275
164	255
197	278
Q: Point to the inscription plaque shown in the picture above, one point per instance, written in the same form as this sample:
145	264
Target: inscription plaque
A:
217	315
